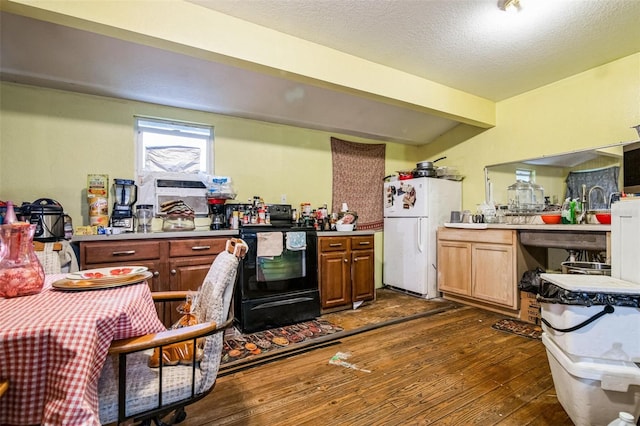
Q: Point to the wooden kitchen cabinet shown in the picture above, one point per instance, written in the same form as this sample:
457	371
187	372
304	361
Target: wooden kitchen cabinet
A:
483	267
346	267
176	264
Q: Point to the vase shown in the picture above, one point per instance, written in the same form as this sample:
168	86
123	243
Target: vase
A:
21	273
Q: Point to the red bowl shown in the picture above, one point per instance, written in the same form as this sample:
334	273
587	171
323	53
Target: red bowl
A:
604	218
551	219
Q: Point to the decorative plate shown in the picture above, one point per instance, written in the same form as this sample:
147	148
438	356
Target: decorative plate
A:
82	285
106	274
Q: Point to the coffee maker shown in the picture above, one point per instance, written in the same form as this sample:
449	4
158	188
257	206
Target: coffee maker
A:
126	194
217	213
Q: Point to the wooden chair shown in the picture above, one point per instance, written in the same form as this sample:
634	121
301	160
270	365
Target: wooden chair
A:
129	389
4	385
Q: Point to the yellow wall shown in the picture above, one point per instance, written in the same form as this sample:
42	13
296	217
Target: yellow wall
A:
50	140
590	109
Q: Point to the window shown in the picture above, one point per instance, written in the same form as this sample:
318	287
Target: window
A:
169	146
525	175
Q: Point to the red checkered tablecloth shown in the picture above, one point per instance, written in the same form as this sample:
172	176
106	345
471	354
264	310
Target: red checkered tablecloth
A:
53	346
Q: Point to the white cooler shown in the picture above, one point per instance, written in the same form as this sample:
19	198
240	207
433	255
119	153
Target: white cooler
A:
593	391
591	327
613	336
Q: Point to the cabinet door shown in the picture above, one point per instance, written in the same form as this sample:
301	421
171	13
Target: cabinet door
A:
493	274
362	275
186	273
335	279
454	267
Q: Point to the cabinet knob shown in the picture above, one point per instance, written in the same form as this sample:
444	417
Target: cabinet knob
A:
156	274
346	260
173	272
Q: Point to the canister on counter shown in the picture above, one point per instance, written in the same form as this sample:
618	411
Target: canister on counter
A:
98	210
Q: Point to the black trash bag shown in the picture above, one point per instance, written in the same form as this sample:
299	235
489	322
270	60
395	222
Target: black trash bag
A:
531	280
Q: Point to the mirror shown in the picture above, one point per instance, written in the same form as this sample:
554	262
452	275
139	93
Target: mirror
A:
551	171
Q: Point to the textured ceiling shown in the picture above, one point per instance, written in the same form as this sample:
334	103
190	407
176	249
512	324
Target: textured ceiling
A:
470	45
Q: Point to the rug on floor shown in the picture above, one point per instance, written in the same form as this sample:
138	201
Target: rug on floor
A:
239	346
520	328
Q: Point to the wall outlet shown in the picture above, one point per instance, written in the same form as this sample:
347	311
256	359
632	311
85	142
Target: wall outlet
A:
283	198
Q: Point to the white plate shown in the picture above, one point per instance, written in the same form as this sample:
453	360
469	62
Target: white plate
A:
106	274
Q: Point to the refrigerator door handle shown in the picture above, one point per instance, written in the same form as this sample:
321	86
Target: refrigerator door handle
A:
419	239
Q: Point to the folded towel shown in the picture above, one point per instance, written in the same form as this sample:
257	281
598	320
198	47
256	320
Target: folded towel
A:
269	244
296	241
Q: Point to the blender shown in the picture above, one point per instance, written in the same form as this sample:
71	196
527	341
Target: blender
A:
217	213
125	192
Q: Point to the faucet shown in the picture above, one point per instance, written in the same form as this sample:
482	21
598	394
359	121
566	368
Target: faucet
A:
589	202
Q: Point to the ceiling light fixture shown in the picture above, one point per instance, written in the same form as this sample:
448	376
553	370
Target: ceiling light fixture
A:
509	5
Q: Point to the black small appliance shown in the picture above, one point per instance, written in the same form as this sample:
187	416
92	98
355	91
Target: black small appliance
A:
126	194
217	213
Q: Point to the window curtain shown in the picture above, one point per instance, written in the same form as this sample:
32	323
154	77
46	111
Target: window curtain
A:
358	174
605	178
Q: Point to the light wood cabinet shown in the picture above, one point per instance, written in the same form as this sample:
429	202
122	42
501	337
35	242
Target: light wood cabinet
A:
483	267
346	267
176	264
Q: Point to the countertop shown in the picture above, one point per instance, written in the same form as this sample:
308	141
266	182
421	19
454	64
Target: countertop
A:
532	227
344	234
192	234
155	235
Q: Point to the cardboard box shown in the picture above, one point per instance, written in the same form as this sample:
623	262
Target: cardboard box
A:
98	186
529	308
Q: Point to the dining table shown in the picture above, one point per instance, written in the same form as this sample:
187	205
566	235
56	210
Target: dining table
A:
54	344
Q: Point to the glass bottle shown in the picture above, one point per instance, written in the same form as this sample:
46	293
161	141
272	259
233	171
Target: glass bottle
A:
21	273
10	214
624	418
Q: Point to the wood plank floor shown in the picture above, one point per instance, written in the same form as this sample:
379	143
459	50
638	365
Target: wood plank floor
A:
447	368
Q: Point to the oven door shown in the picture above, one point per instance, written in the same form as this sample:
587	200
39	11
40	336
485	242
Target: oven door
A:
291	271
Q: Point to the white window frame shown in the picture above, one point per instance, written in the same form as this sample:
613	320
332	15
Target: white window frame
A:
525	175
182	130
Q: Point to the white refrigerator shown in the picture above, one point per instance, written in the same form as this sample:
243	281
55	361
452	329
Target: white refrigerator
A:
413	210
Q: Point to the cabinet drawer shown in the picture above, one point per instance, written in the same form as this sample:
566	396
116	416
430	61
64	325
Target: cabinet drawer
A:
334	244
121	252
362	243
196	247
492	236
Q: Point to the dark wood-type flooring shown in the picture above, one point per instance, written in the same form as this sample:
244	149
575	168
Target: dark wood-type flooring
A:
447	367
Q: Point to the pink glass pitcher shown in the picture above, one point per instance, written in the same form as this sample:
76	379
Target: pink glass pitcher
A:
21	273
